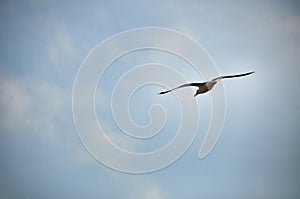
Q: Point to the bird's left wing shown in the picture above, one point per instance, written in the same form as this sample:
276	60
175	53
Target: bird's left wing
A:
184	85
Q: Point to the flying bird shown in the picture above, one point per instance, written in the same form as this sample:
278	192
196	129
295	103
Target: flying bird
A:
206	86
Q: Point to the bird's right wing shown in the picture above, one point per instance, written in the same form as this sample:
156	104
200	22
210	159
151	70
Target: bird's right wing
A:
184	85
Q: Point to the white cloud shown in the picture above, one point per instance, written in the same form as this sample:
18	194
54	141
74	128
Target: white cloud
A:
61	44
149	190
61	52
42	111
14	103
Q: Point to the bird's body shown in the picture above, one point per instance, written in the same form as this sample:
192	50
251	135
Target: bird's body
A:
206	86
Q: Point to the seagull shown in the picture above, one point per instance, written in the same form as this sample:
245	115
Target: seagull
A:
206	86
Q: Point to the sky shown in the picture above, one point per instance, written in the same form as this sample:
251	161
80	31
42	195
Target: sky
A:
45	43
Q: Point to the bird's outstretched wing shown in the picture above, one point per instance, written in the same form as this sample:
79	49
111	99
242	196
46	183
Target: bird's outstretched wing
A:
232	76
184	85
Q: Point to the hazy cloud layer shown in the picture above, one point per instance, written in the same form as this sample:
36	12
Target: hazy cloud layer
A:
43	44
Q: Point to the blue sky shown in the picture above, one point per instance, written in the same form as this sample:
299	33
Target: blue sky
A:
43	44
